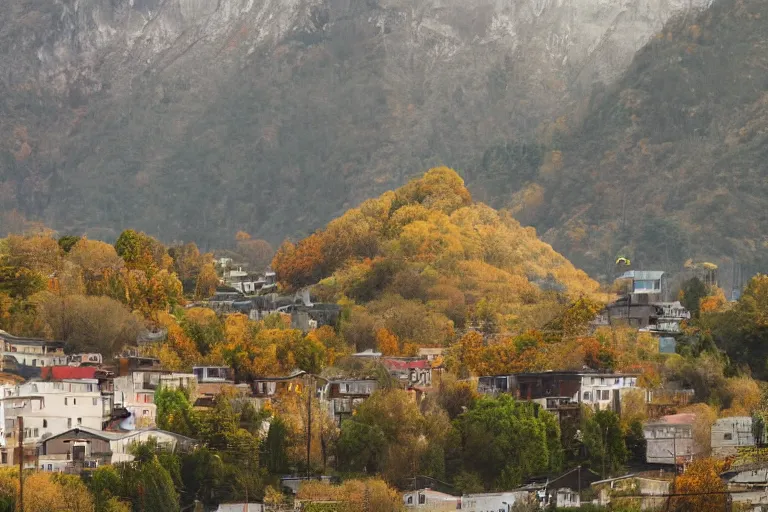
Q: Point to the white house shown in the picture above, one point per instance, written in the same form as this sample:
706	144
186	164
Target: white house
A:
83	447
598	390
729	433
669	440
427	499
494	501
48	408
31	351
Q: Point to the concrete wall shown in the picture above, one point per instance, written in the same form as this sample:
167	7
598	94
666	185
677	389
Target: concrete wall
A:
730	433
490	501
666	441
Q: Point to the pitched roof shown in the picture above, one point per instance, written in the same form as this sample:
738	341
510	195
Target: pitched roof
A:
399	364
115	436
686	418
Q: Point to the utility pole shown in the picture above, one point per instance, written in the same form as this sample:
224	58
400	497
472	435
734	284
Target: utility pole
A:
309	421
21	463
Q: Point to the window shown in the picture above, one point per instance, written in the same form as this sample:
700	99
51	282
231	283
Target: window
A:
422	499
79	421
145	412
606	394
587	396
45	423
69	422
95	401
50	467
35	433
728	436
410	498
66	401
4	458
74	401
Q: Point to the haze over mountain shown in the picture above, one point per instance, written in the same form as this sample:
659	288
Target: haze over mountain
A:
192	119
670	162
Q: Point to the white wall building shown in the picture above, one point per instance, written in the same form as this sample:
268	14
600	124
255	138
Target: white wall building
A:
492	501
49	408
427	499
31	351
83	447
730	433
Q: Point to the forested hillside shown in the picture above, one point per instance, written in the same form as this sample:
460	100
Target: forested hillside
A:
670	163
426	260
191	120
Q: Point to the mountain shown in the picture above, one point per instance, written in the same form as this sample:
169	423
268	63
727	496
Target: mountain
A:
426	259
192	119
670	163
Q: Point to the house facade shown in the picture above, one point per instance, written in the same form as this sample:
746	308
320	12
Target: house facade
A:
670	439
83	447
729	434
427	499
49	408
600	391
410	373
492	501
344	396
30	353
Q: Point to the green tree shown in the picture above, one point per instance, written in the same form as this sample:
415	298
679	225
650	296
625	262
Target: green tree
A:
693	290
105	485
604	442
275	447
66	242
175	413
505	441
634	439
20	282
155	490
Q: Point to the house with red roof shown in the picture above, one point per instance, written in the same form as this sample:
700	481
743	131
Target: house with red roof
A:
410	373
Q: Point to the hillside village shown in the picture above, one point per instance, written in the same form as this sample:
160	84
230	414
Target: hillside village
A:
74	413
367	372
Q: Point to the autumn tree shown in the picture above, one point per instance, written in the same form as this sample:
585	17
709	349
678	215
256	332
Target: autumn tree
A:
388	434
39	253
142	252
207	281
187	260
387	342
256	252
700	484
373	495
742	396
96	259
90	324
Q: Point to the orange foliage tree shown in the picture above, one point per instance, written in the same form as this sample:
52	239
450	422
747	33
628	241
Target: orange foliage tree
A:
700	483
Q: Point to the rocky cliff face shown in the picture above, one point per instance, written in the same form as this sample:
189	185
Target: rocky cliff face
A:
192	119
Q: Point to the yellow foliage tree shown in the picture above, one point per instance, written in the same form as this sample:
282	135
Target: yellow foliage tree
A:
700	480
744	395
387	342
207	281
